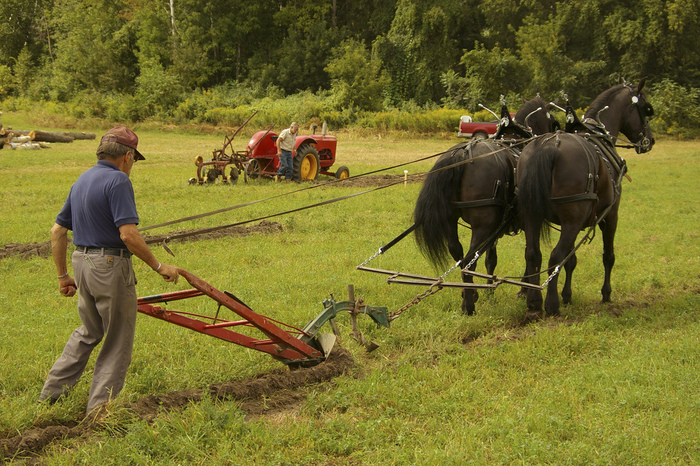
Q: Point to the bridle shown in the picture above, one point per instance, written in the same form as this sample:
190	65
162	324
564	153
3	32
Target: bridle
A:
645	111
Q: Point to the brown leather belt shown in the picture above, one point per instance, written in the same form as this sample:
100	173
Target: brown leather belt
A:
104	251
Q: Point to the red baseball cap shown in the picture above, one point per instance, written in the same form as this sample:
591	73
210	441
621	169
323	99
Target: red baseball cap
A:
124	135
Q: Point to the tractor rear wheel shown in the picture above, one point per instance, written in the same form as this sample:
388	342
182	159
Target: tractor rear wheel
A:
306	163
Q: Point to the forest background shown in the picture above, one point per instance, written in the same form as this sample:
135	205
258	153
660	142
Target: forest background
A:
380	64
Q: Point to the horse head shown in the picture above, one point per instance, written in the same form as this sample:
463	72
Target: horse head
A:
535	115
636	125
624	108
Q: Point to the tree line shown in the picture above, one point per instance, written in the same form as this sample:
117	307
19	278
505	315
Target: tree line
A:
150	56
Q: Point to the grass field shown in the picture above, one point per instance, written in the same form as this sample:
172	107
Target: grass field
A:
602	384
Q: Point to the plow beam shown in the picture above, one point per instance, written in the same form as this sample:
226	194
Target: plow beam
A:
499	280
290	347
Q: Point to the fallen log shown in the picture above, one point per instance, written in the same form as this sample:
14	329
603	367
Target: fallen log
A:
18	139
25	145
83	136
10	136
50	136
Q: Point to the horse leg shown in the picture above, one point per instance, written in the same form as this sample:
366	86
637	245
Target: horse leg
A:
559	253
491	260
608	227
533	262
569	268
469	296
522	293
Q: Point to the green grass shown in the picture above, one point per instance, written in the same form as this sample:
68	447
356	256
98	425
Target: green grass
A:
605	384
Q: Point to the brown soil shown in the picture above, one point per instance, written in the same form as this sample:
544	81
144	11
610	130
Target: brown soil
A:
378	180
266	395
27	250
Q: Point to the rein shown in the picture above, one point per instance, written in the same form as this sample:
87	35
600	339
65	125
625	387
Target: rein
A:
238	206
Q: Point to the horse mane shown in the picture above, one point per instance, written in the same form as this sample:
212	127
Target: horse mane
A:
602	100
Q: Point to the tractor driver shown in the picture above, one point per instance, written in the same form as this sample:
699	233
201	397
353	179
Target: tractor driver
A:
285	145
101	212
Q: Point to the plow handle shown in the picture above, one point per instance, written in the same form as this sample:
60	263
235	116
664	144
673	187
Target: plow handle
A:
228	140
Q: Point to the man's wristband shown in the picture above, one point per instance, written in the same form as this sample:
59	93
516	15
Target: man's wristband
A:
159	266
63	276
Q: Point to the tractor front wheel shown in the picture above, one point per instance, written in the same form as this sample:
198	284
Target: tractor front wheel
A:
306	163
342	173
251	170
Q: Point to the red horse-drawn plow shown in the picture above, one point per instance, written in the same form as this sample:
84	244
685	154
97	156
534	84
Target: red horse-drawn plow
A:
293	346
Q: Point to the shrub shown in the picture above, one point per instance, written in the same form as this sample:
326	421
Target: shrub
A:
157	91
6	81
227	116
356	79
676	109
417	121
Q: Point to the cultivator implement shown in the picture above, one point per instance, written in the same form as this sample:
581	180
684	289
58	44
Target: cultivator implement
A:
290	345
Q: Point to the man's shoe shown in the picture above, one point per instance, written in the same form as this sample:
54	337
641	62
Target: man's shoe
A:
48	400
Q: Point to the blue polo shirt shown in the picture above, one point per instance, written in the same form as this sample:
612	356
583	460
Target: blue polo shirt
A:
100	201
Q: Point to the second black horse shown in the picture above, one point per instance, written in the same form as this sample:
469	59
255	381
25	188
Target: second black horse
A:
475	181
574	180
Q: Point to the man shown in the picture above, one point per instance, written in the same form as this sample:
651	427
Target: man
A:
285	145
101	212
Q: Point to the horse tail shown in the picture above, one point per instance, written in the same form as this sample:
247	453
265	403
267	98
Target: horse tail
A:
434	215
534	188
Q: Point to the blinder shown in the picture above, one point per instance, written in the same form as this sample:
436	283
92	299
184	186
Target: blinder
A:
646	109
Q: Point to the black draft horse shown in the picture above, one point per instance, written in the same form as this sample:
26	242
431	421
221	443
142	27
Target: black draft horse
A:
475	181
574	180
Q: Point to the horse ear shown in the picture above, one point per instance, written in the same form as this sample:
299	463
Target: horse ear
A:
640	86
621	80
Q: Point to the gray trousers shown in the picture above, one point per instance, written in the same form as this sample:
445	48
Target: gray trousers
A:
107	308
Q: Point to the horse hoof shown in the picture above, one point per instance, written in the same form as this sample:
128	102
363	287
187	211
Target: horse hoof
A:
534	307
532	316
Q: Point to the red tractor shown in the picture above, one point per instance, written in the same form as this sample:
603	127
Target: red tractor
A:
313	154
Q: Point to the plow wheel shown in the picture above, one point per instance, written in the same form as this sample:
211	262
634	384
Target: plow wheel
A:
251	170
211	174
233	179
306	163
